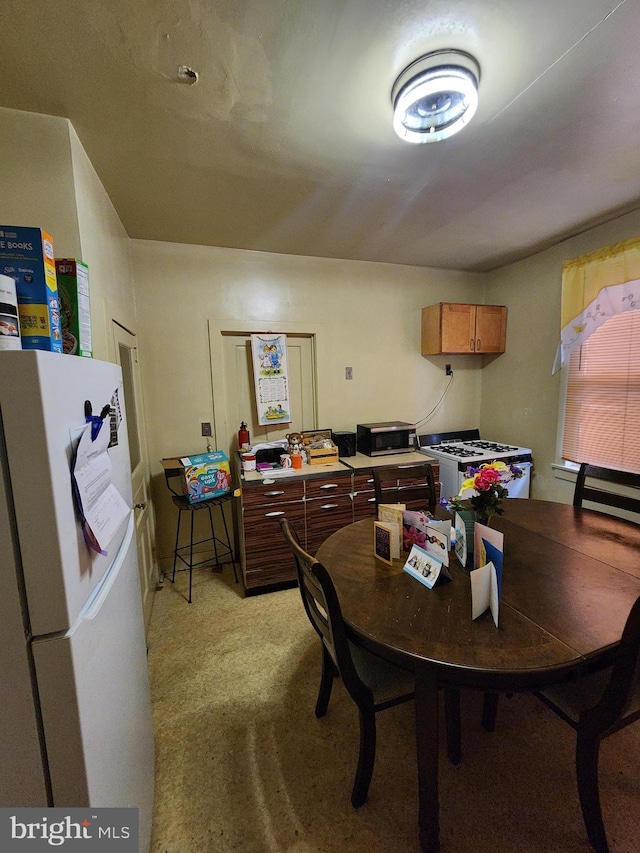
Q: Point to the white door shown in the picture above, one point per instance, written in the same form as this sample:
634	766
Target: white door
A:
94	695
240	394
127	357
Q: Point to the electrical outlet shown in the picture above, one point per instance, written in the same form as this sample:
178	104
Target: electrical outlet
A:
206	428
348	373
447	370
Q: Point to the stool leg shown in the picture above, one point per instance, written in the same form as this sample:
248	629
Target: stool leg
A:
191	557
214	540
175	550
226	533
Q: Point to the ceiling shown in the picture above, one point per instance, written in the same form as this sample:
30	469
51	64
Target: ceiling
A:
284	143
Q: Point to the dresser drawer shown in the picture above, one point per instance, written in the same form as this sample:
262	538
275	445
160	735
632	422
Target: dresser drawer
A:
267	557
326	515
262	494
326	486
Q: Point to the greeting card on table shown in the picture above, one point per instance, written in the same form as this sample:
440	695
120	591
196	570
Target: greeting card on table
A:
444	527
460	536
484	592
392	514
423	567
436	543
486	580
386	541
489	547
414	527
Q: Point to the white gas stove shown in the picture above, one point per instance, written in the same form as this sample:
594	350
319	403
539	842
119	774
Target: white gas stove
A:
455	451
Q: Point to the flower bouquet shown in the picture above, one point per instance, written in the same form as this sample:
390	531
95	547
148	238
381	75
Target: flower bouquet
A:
483	490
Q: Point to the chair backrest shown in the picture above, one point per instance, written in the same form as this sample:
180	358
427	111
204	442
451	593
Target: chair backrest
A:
411	484
321	605
593	491
620	702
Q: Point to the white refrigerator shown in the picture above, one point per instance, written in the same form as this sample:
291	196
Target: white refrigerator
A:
75	707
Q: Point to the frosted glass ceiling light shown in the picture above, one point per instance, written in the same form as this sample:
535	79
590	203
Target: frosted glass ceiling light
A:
435	96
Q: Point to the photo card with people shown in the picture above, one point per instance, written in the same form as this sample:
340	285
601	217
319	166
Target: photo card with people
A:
425	567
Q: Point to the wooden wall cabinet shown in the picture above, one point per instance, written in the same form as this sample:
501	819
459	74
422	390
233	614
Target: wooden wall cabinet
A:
453	328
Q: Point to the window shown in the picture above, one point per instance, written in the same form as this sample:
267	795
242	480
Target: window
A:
602	418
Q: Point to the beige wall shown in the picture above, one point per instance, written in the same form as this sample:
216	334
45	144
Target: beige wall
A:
48	182
36	177
105	247
520	397
367	316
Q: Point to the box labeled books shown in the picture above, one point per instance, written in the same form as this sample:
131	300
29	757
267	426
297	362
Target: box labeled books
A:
26	255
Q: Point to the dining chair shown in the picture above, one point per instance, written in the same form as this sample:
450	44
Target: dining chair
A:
410	483
596	706
593	491
373	683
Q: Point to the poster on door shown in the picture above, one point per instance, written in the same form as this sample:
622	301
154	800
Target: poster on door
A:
269	355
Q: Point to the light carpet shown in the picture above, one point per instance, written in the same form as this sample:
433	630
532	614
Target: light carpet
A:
242	764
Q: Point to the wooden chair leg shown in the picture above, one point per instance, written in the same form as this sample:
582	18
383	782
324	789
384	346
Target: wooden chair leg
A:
366	757
452	719
587	749
326	683
489	711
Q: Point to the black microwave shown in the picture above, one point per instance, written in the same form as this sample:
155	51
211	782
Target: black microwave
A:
385	438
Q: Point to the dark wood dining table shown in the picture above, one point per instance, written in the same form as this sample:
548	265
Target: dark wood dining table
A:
570	577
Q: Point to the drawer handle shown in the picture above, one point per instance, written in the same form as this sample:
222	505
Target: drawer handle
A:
273	514
273	494
329	506
330	486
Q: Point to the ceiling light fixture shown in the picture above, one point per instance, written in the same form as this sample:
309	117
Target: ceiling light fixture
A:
435	96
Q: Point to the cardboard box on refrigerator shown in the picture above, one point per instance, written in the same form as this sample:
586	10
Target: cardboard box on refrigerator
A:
75	318
206	475
26	254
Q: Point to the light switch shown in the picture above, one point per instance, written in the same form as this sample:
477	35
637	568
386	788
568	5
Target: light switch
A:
348	373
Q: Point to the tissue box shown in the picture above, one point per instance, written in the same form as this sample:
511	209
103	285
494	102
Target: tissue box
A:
75	319
26	254
206	476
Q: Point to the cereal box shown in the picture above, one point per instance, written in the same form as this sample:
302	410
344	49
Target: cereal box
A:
75	319
26	254
206	475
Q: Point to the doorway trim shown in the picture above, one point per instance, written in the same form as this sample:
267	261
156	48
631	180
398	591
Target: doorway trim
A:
219	327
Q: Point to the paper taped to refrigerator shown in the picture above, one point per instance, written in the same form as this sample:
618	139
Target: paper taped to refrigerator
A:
103	507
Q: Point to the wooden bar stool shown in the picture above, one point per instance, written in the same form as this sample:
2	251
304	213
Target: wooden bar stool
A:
221	548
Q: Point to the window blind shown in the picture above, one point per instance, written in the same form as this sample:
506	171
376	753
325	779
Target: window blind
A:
602	419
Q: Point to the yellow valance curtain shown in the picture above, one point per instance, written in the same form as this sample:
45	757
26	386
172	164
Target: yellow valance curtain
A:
595	287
